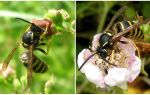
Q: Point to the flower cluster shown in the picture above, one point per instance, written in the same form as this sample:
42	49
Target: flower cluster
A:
127	65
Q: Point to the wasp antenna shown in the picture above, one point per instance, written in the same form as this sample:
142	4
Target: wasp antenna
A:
86	60
23	20
30	23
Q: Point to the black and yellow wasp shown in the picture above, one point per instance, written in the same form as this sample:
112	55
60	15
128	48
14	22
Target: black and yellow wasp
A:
38	31
114	32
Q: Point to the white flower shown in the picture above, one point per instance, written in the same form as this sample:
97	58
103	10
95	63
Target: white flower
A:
91	71
125	71
117	76
95	42
7	72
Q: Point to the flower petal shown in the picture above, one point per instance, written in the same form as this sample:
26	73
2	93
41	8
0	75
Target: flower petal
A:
94	75
134	69
129	48
116	76
95	42
91	71
84	53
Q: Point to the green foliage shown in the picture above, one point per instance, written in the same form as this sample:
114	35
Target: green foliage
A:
60	59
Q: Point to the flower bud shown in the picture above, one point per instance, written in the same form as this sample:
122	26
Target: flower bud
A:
48	85
23	81
17	84
65	15
55	16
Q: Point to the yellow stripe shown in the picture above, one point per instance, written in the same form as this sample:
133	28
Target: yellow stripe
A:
104	44
39	65
36	62
109	34
122	26
142	36
130	33
129	23
139	33
44	68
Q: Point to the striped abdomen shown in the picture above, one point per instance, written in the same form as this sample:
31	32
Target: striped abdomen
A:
135	34
38	65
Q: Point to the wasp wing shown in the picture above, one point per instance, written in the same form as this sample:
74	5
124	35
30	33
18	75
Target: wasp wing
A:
144	48
9	57
119	12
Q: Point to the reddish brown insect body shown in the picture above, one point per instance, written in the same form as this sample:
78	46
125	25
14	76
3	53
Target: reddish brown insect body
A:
45	24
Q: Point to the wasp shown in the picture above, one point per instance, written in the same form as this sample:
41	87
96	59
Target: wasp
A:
38	65
38	31
110	36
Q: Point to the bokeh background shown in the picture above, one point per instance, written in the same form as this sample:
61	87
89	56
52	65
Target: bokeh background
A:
93	17
60	60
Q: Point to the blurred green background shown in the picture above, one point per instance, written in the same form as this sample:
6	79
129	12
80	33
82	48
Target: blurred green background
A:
60	60
93	18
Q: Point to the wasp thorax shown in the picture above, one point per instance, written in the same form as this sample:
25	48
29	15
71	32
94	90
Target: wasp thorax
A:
104	40
30	38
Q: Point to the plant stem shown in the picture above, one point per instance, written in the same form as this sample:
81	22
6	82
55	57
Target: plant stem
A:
12	14
107	7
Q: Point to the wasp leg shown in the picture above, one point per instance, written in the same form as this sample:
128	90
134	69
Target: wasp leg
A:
41	44
48	43
42	36
140	18
24	45
143	69
136	48
112	55
119	12
41	50
48	46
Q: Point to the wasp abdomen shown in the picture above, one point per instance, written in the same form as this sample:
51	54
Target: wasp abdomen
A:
38	65
135	34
